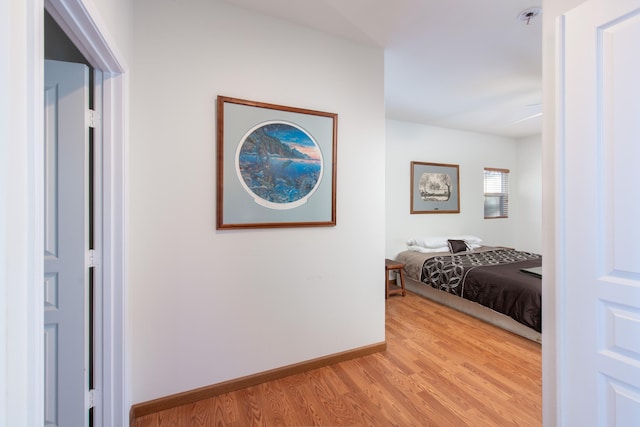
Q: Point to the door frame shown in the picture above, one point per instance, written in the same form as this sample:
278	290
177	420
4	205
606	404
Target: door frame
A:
75	17
81	22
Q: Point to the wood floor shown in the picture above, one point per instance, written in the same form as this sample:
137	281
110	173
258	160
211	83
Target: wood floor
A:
441	368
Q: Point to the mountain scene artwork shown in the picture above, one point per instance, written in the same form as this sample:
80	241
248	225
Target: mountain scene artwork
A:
279	164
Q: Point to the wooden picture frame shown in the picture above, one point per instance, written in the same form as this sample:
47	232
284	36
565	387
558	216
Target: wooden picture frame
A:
435	188
276	165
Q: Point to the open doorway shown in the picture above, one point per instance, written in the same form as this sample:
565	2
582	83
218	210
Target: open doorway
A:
83	42
72	233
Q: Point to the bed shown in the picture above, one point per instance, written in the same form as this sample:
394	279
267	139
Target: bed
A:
496	284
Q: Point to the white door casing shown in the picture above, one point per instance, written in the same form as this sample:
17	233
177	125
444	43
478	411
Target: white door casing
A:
82	23
599	215
66	244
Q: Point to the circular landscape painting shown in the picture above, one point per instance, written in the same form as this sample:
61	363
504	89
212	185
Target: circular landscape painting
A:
279	164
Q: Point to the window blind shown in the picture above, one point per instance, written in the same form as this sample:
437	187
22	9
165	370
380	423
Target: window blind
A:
496	193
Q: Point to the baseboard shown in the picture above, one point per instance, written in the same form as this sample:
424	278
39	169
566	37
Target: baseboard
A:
179	399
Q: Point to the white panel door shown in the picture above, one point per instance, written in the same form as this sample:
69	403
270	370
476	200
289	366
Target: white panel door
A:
599	215
66	244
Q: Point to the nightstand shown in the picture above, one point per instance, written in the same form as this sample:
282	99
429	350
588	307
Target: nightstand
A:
398	268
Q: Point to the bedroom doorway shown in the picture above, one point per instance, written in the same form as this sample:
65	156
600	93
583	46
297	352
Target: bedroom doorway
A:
105	264
71	232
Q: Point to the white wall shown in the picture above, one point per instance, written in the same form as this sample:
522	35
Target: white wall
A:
19	352
473	152
209	306
117	19
528	232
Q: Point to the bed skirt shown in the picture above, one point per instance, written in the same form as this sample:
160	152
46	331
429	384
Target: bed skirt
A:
473	309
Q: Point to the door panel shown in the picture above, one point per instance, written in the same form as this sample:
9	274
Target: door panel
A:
599	324
66	243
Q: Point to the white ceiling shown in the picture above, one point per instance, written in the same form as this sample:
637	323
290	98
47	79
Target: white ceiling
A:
465	64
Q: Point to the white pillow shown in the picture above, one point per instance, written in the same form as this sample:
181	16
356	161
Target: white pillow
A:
428	242
427	250
441	241
467	238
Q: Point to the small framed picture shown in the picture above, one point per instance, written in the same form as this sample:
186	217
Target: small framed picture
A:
435	188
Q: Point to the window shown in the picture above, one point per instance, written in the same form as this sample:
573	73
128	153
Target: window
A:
496	193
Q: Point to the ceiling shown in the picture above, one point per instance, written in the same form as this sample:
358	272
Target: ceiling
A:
464	64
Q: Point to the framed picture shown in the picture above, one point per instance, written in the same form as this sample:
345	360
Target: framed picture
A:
276	166
435	188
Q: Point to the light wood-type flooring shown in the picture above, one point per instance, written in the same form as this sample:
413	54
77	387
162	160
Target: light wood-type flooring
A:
441	368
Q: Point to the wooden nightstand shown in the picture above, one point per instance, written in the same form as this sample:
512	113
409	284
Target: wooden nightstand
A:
398	267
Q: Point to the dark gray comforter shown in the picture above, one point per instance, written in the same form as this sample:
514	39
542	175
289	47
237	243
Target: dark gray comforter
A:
491	277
